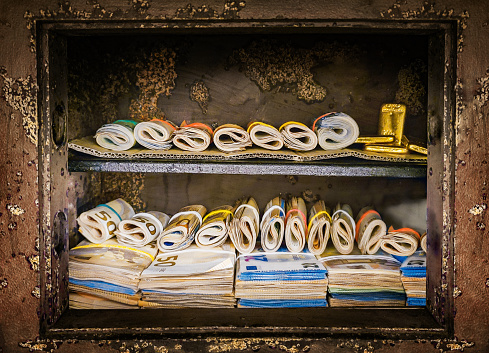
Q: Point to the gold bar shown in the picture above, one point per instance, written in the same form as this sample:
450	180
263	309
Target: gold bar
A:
414	145
391	121
375	139
386	149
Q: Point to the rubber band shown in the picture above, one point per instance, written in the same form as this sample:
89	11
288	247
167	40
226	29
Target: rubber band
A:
113	246
132	122
405	230
322	116
166	122
357	228
259	123
150	216
270	210
289	123
110	208
199	216
350	218
200	125
317	215
301	213
215	212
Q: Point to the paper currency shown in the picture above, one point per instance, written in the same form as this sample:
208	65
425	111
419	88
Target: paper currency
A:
265	136
401	242
245	226
423	241
215	227
194	137
100	223
117	136
335	131
231	138
272	226
181	229
155	134
413	276
298	136
343	229
296	224
80	300
319	228
142	228
370	231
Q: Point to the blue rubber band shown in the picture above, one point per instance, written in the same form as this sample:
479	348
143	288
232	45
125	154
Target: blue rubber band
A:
110	208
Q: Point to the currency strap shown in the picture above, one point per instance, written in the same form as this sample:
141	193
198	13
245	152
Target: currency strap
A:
114	246
166	123
200	126
349	217
302	215
404	230
270	210
110	208
259	123
216	212
290	123
195	213
321	117
317	215
123	122
357	229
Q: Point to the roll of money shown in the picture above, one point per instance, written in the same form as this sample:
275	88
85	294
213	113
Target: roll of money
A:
245	226
319	228
231	138
155	134
194	137
343	229
272	227
99	224
401	242
298	136
265	136
117	136
335	131
181	229
142	228
370	231
215	227
296	224
423	241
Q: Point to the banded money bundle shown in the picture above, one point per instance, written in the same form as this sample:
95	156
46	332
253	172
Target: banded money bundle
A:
245	226
335	131
142	228
215	227
401	242
319	228
296	224
370	231
413	277
156	134
195	137
265	136
231	138
272	226
117	136
343	229
298	137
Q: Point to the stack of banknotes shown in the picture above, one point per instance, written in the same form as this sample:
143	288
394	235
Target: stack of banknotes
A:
280	279
190	278
413	276
363	280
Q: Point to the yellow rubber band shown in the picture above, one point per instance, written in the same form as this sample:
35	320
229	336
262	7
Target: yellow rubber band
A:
215	212
318	214
113	246
259	123
290	122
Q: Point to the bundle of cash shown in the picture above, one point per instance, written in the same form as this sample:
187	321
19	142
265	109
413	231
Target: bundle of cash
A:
343	229
155	134
108	270
181	229
423	241
194	137
413	278
215	227
363	280
298	136
401	242
296	224
142	228
266	136
272	227
245	226
81	300
118	136
280	279
194	277
231	138
370	230
100	223
319	228
335	131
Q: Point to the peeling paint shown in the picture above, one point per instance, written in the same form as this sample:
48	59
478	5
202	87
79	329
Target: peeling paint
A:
457	292
199	93
34	262
3	283
127	186
478	209
481	96
41	345
452	345
15	210
36	292
230	11
412	91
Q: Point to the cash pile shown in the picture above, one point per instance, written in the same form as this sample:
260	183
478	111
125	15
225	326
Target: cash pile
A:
280	279
106	275
413	276
190	278
363	280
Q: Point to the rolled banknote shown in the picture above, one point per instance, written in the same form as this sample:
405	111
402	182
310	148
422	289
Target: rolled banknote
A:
423	241
401	242
117	136
319	228
298	136
296	224
231	138
335	130
195	137
155	134
266	136
100	223
245	226
370	230
215	227
343	229
142	228
272	226
181	229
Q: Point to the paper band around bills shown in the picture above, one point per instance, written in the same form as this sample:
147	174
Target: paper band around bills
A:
214	230
244	230
298	137
370	232
194	137
335	131
155	134
272	229
343	231
319	231
117	136
99	224
295	230
231	138
142	228
266	136
401	242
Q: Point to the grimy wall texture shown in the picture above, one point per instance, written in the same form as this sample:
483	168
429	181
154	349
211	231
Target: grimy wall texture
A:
19	188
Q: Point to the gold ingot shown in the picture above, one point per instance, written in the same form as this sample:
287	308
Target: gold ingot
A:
386	149
375	139
414	146
391	121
